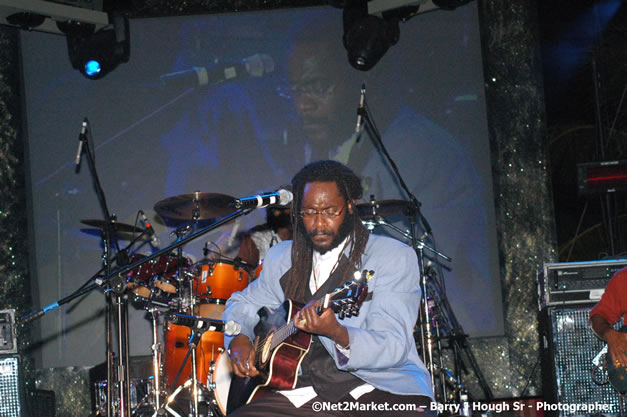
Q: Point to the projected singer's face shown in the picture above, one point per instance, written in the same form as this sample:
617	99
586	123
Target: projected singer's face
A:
318	86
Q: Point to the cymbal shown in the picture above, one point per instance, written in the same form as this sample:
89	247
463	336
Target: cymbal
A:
181	207
374	208
113	225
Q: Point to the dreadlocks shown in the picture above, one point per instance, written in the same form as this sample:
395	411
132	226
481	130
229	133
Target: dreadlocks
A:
350	187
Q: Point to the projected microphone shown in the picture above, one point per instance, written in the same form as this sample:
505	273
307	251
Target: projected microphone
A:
81	138
229	328
279	197
360	109
154	240
256	65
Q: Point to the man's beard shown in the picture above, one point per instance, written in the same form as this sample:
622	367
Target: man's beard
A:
344	230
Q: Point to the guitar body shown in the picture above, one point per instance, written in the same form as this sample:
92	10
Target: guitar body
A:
278	367
617	376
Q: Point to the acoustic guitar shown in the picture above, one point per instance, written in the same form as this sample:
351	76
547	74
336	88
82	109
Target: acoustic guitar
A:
280	347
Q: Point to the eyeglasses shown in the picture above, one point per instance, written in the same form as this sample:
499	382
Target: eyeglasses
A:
321	88
327	213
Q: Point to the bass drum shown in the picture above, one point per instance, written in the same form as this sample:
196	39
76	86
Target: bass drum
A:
176	338
220	378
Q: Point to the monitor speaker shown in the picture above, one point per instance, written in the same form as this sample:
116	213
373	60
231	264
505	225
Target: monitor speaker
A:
11	387
569	346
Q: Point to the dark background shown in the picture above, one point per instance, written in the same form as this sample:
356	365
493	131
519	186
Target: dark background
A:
583	52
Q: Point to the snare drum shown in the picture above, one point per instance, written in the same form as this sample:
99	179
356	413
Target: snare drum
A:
176	338
219	279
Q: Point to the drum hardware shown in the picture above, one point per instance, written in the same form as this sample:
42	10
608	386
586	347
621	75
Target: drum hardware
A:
197	388
141	395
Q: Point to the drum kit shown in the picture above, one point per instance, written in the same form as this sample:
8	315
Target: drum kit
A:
191	373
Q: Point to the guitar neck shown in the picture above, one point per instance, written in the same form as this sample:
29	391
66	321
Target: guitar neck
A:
289	328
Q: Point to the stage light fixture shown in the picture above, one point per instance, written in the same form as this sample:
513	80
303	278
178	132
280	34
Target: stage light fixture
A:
450	4
366	37
26	20
95	54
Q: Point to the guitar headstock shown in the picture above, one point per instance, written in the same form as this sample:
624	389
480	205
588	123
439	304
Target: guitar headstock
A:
346	300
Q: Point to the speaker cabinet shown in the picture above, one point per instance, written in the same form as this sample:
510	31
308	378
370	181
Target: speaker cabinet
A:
569	346
11	388
42	403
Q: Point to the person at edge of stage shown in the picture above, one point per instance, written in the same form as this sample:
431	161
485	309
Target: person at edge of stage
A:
609	310
366	359
256	242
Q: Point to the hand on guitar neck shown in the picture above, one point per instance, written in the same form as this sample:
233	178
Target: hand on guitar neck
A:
307	319
325	323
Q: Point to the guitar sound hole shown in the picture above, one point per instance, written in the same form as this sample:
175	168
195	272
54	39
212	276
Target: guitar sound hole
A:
265	352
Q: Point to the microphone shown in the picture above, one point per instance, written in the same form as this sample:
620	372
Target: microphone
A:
229	328
154	240
360	109
81	138
280	197
256	66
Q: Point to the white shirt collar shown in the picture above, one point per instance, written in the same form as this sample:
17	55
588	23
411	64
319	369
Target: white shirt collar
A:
323	265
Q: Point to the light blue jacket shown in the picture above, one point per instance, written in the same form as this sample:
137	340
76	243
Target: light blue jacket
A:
382	347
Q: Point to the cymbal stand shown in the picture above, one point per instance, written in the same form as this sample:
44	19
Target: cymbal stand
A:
457	338
435	324
108	328
446	319
380	221
426	333
184	295
156	355
193	342
416	219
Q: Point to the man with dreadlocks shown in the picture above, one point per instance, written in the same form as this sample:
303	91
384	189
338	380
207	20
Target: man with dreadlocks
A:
363	360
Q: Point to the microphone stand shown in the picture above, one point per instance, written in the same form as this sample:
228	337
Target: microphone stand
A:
121	306
414	215
416	219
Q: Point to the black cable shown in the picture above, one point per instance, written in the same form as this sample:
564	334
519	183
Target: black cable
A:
529	378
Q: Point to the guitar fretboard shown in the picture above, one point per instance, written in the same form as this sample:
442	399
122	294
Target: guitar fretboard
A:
283	333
